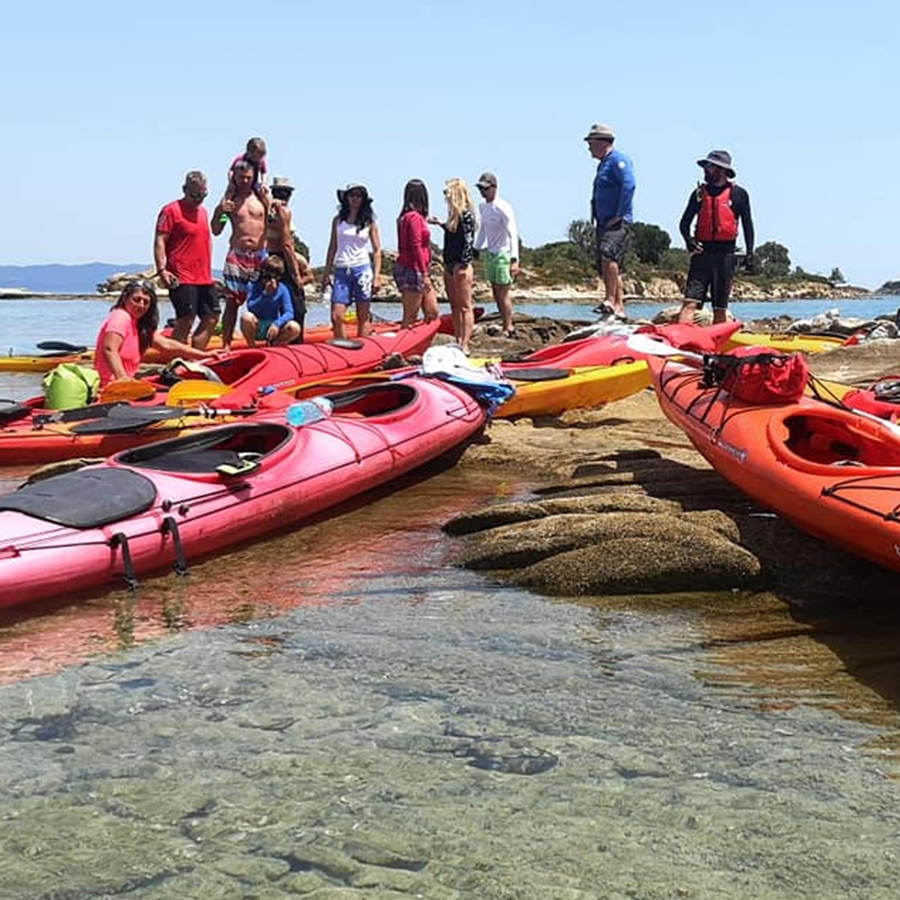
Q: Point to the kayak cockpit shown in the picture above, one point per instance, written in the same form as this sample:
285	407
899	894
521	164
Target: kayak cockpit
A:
373	400
836	439
225	450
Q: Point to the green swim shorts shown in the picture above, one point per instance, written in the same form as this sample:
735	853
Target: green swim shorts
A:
496	267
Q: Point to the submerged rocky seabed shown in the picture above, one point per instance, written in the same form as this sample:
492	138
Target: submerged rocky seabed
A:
485	743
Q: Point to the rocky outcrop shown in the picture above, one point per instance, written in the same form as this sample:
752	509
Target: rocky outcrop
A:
889	287
116	282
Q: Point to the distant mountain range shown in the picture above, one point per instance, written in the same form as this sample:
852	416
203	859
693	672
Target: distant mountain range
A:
54	278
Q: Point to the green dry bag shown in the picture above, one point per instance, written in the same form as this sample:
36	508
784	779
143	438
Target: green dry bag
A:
70	385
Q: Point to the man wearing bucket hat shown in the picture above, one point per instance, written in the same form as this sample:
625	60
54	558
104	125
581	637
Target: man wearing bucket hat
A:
718	204
611	211
280	243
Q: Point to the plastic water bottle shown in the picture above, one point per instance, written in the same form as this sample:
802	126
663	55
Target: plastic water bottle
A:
308	411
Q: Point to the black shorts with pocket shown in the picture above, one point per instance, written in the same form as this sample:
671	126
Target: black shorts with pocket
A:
612	243
195	300
710	276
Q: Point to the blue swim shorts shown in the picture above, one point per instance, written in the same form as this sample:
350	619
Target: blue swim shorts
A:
353	284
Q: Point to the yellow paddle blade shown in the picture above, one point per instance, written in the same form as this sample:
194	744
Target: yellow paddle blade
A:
126	390
194	391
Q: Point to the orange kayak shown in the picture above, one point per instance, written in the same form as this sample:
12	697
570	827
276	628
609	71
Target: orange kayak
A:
833	472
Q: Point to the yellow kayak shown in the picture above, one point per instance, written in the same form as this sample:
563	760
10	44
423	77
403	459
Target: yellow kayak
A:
788	343
584	388
42	363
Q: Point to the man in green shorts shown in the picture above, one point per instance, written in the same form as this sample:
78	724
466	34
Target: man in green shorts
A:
498	243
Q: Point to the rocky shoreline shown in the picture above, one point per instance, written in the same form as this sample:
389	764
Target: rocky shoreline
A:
651	290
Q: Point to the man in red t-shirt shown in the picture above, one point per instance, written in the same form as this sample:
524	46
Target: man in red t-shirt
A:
182	251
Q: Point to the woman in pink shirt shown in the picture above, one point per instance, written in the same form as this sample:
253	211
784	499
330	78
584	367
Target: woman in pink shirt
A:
129	330
411	271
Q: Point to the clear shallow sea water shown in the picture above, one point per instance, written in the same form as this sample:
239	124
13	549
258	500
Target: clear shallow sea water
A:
23	323
340	711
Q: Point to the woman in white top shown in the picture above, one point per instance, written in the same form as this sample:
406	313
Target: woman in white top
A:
355	277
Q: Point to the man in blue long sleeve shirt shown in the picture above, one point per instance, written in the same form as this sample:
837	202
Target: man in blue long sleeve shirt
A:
611	210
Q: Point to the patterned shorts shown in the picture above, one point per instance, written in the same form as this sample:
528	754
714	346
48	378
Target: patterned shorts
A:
352	284
408	279
241	270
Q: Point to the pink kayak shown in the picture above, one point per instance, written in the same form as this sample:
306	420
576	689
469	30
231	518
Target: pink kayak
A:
170	502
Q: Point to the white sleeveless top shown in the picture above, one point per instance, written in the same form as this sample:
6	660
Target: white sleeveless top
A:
352	246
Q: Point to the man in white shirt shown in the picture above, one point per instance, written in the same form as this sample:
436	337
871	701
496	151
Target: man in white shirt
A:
498	243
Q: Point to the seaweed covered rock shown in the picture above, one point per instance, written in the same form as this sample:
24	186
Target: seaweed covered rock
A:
642	565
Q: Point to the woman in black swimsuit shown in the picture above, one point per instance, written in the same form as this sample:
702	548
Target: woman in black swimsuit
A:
459	251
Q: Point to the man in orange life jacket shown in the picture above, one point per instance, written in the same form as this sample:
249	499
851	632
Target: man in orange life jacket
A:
718	205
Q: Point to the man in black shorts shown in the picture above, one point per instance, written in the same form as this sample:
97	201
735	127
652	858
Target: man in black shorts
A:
280	242
182	251
718	205
611	211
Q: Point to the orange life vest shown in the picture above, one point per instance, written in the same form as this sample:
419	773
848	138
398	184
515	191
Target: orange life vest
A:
716	220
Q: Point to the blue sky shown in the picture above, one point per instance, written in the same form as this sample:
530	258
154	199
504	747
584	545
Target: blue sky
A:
107	105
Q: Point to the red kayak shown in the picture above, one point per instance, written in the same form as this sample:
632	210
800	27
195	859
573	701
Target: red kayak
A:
171	502
249	374
831	471
612	349
882	399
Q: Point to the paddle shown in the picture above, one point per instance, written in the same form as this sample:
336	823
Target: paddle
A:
193	391
61	347
62	354
132	419
10	410
92	411
126	390
340	381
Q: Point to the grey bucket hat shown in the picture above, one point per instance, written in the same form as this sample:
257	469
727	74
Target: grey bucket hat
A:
720	158
600	132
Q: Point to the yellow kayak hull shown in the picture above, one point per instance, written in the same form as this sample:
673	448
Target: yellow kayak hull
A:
584	388
787	343
42	363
